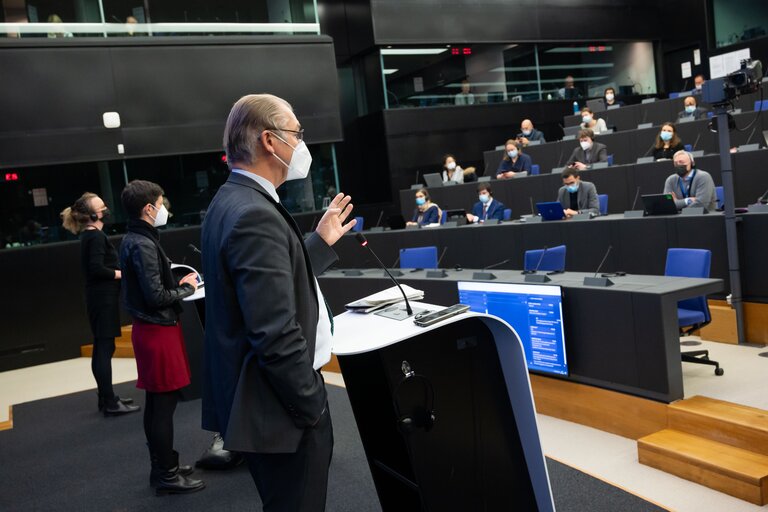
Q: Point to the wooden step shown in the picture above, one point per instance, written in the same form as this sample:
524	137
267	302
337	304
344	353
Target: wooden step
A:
728	469
725	422
123	345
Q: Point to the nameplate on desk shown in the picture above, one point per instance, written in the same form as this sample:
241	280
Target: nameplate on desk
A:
394	272
532	219
411	226
533	143
537	278
757	208
643	126
440	273
449	224
613	107
634	214
376	229
449	183
748	147
598	281
483	276
645	160
582	216
417	186
599	165
491	222
352	273
482	179
693	210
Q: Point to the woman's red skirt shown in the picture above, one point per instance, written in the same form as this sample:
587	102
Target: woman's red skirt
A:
161	357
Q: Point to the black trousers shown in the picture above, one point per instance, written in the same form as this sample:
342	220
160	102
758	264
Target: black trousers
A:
158	427
101	366
296	482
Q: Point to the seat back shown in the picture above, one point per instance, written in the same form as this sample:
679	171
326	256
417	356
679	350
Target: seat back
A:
444	217
418	257
507	213
554	259
535	169
610	159
603	198
720	197
359	224
690	263
688	147
761	105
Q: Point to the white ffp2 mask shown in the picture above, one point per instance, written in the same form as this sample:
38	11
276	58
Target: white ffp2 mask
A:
301	160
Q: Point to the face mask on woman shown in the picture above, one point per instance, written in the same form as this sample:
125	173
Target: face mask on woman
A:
666	136
609	97
450	166
512	154
586	119
690	109
420	201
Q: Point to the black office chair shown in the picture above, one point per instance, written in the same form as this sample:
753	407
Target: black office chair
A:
692	314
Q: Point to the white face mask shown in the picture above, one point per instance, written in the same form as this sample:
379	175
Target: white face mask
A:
585	145
512	154
609	97
586	119
301	160
450	165
161	219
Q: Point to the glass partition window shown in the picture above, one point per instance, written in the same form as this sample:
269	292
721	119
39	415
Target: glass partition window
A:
103	18
474	74
32	198
736	23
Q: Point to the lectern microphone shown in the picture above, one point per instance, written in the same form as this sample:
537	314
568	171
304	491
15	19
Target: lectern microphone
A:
483	275
599	281
364	242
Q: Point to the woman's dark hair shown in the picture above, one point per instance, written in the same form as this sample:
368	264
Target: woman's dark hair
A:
424	191
446	157
609	89
137	194
673	142
76	217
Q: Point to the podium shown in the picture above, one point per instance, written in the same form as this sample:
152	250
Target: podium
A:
445	413
192	320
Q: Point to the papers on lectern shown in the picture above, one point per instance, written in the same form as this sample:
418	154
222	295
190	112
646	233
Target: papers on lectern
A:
383	299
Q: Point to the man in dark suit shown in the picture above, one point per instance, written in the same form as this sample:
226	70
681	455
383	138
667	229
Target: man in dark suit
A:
268	330
692	111
577	196
588	151
487	207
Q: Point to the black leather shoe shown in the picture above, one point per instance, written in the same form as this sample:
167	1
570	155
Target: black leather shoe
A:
126	401
216	457
173	482
119	408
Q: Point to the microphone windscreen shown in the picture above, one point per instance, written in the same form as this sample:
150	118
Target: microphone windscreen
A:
361	238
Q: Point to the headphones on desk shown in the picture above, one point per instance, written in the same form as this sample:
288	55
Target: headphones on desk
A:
422	417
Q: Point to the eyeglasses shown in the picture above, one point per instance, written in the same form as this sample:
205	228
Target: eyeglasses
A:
298	133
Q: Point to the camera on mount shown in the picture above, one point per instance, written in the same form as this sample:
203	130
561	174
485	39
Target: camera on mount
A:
745	80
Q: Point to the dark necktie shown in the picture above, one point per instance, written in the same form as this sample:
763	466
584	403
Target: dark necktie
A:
485	210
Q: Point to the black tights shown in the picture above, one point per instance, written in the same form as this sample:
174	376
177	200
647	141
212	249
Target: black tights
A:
101	366
158	426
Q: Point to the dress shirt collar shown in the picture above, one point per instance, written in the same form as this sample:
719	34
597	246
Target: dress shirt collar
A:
265	183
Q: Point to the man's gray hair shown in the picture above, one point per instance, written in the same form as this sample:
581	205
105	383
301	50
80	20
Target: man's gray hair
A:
251	115
687	153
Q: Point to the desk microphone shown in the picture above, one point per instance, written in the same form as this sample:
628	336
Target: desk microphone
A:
637	195
599	281
645	116
194	249
560	158
649	148
685	85
538	264
417	177
438	272
533	212
750	135
487	276
364	242
693	148
378	222
440	259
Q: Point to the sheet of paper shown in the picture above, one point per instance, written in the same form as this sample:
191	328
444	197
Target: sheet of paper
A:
685	67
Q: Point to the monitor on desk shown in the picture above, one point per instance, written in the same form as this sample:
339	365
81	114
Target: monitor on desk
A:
534	311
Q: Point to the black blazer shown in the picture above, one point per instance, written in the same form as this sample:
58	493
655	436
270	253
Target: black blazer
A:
598	153
260	389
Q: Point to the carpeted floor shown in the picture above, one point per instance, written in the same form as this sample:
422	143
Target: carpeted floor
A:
63	455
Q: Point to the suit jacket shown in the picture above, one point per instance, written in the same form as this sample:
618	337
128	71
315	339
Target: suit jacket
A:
260	389
495	210
586	197
599	153
699	113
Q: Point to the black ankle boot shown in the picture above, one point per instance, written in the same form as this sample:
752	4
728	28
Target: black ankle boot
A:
184	469
168	480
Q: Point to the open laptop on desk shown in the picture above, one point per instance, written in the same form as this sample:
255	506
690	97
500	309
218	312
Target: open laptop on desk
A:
571	130
433	180
458	215
659	204
551	210
597	105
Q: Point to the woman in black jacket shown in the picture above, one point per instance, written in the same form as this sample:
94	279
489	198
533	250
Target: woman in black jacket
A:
86	218
153	298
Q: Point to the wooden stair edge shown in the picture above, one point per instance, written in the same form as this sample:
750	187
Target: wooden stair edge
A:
657	443
738	421
7	424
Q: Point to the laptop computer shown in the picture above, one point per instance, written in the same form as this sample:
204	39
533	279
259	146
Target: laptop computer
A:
396	222
659	204
597	105
433	180
551	210
458	215
571	130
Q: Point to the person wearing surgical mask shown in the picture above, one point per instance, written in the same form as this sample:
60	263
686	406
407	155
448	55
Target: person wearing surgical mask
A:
152	296
690	186
691	110
514	161
588	152
426	212
609	96
451	170
577	196
698	83
588	120
528	133
486	207
667	143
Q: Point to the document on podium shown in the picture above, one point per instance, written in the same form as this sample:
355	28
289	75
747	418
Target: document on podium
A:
383	299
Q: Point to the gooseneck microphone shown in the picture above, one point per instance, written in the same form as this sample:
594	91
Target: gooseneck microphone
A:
364	242
496	264
599	281
378	222
538	264
604	258
693	148
637	194
487	276
194	249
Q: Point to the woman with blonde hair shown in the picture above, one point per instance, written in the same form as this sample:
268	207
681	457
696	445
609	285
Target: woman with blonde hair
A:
86	218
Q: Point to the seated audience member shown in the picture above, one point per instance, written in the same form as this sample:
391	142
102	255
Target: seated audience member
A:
529	133
588	120
691	110
577	196
690	186
610	98
487	207
426	211
698	82
514	161
464	97
451	170
667	143
569	90
588	152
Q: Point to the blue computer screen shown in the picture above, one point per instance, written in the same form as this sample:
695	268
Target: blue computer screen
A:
535	312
